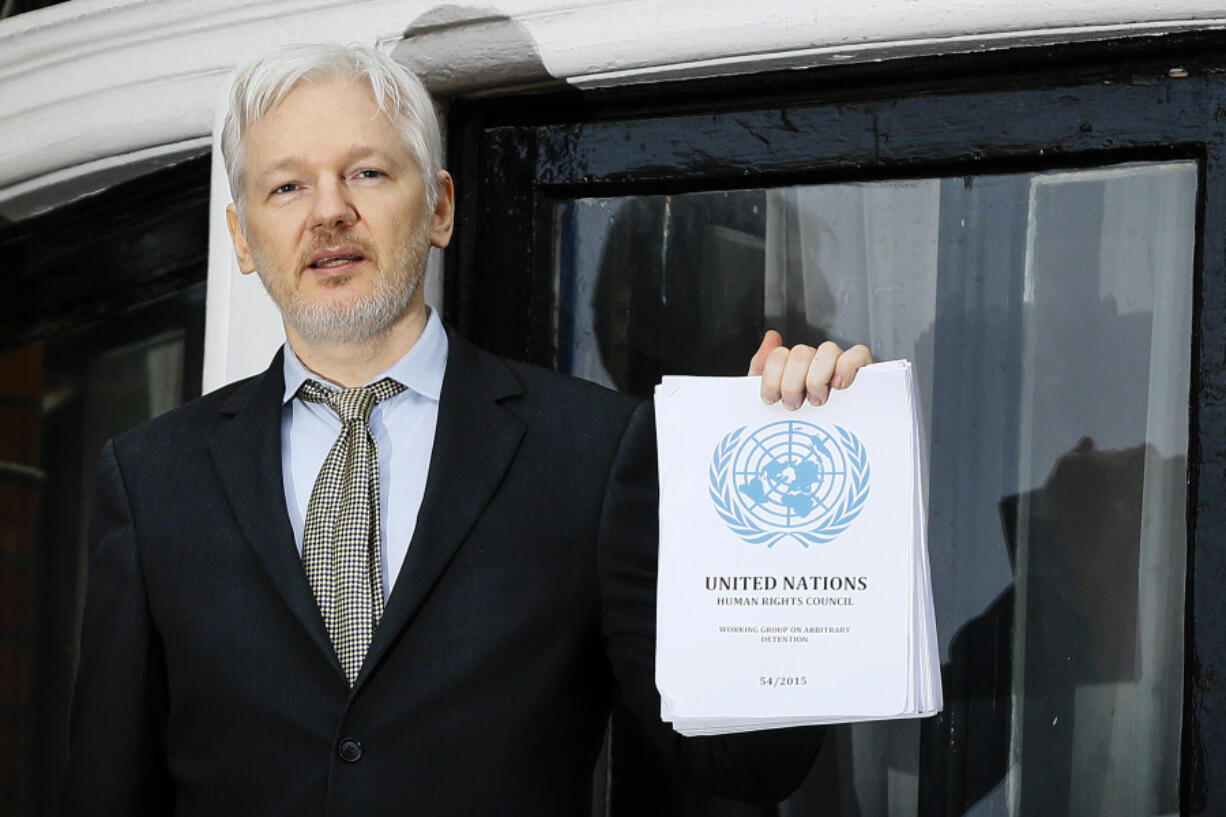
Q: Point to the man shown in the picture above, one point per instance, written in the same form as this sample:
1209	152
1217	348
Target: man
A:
392	574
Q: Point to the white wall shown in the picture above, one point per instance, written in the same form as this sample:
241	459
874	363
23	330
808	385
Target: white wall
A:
91	90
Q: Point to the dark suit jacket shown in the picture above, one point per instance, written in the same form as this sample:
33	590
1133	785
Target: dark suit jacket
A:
208	685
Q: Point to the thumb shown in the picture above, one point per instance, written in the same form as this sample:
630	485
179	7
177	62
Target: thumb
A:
770	341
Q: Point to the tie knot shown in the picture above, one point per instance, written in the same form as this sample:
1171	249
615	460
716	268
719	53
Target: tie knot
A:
350	404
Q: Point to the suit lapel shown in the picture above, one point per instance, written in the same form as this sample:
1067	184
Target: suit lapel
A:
474	442
246	450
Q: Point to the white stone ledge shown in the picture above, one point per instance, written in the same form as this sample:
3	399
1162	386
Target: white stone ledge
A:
97	87
89	79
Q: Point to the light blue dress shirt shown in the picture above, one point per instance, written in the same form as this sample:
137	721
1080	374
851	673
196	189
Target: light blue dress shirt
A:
403	428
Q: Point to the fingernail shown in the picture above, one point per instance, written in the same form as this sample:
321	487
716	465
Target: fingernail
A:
837	381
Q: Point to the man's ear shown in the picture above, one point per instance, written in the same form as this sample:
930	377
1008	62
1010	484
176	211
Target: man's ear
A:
241	248
444	211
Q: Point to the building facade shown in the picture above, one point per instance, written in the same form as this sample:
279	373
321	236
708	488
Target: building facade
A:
1028	201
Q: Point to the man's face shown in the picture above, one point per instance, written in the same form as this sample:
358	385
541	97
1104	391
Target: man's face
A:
336	219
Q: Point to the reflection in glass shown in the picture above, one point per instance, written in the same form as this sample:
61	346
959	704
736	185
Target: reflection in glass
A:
60	400
1049	319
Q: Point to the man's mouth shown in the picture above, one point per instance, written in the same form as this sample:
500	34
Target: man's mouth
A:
335	258
336	261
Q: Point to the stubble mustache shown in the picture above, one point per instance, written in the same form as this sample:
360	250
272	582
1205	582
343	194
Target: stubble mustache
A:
323	241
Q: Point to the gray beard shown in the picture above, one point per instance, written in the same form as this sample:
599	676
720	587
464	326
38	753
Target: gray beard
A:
357	321
362	319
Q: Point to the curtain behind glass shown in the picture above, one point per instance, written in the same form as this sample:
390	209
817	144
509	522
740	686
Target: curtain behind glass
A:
1048	318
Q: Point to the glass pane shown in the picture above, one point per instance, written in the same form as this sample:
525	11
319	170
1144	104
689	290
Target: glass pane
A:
60	401
1049	319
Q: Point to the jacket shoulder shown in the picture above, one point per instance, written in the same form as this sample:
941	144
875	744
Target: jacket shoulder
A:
190	421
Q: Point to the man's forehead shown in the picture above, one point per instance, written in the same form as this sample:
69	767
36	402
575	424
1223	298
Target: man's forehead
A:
332	121
327	101
356	153
355	88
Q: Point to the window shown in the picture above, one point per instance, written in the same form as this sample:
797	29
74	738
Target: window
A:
10	8
1047	247
108	331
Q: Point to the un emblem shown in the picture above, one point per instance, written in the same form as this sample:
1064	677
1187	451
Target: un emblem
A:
789	478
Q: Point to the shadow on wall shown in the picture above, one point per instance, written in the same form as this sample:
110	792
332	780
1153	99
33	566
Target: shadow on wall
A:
497	51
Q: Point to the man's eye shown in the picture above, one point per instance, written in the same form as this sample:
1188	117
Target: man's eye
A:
288	187
369	173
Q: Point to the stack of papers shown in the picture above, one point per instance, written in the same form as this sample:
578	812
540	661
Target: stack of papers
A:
794	585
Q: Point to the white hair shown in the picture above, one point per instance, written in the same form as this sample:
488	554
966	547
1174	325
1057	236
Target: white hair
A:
264	83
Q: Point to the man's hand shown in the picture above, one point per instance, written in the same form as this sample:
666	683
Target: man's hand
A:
793	374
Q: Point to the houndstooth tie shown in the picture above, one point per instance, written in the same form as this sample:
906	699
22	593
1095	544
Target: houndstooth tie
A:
340	541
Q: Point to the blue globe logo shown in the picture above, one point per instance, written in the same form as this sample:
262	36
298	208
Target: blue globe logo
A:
785	473
789	479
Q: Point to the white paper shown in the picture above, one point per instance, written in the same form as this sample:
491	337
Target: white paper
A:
793	572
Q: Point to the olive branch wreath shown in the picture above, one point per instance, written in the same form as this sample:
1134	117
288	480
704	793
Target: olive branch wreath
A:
745	527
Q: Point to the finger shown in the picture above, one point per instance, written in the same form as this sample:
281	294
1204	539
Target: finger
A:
848	364
817	380
770	341
772	375
795	370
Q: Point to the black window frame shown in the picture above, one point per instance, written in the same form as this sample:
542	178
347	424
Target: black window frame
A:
106	253
1037	108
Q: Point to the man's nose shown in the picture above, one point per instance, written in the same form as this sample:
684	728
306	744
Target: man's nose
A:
333	207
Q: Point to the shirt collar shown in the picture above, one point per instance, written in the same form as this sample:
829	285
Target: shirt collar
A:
420	369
